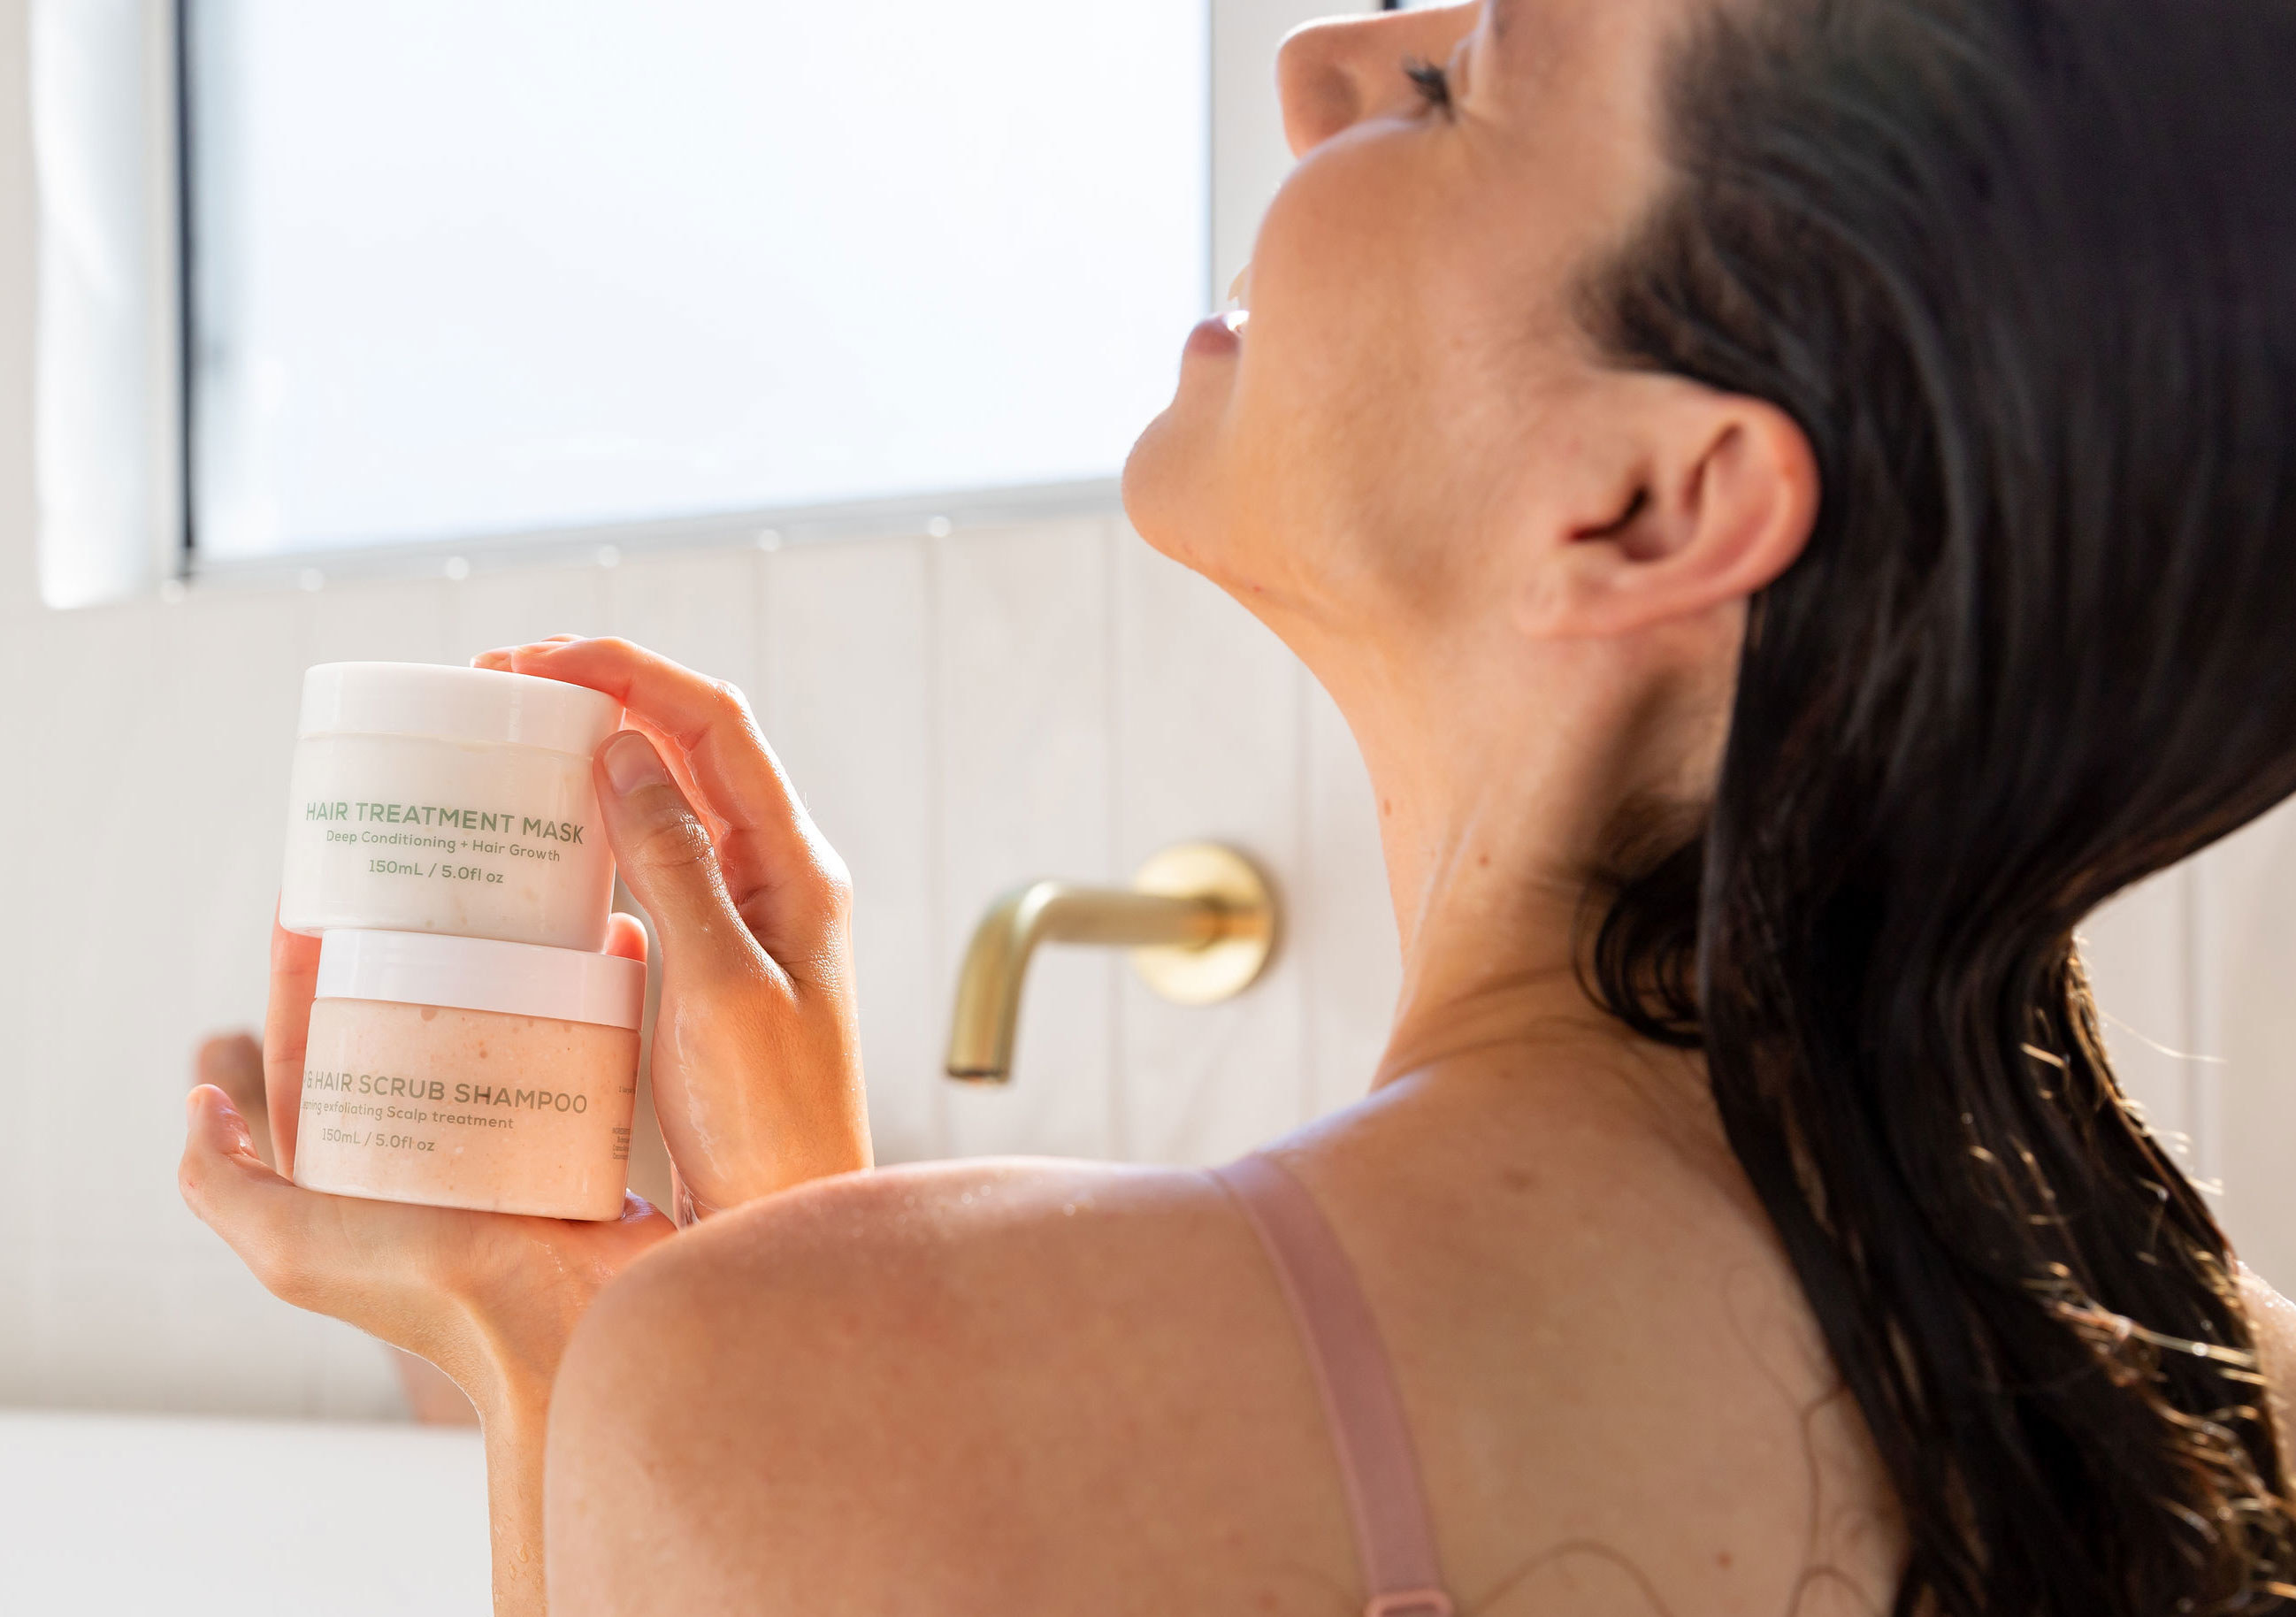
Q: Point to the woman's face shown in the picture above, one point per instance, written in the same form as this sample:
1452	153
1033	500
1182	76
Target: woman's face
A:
1411	392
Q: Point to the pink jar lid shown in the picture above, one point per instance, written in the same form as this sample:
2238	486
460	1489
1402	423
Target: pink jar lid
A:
481	974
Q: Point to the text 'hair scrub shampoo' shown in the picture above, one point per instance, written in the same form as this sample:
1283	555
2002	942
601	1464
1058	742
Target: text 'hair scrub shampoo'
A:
466	1072
449	800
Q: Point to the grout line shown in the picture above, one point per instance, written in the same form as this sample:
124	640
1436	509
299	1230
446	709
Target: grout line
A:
2204	1076
1112	625
763	582
2188	1028
941	1123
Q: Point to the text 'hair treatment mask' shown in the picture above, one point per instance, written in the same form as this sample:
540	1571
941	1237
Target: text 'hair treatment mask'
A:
449	800
466	1072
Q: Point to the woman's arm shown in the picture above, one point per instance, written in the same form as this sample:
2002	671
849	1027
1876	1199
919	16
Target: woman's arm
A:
756	1075
490	1299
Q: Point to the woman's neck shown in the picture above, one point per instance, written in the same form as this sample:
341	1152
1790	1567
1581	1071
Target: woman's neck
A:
1497	802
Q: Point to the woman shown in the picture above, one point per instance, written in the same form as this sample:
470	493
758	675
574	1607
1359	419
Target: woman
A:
1792	497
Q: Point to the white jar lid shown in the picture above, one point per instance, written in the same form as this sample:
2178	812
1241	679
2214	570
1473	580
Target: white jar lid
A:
476	706
481	974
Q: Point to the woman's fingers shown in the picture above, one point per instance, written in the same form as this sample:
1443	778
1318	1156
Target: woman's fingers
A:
500	660
226	1184
625	936
783	880
233	1063
705	719
702	726
294	1240
666	858
286	1035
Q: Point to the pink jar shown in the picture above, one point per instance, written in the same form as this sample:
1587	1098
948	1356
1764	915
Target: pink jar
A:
469	1073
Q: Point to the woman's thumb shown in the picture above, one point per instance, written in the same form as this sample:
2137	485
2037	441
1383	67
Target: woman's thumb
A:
665	854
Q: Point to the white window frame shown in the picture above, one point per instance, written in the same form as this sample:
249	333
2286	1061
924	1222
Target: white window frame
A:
111	361
107	405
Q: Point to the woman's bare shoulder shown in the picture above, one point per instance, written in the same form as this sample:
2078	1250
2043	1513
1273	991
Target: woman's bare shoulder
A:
926	1235
862	1380
860	1264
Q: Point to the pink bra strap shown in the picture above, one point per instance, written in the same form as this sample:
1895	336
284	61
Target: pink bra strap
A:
1361	1406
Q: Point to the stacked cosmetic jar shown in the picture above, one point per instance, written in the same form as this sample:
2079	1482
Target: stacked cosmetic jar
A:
471	1044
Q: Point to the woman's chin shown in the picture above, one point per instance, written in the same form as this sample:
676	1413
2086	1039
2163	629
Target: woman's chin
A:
1170	482
1167	482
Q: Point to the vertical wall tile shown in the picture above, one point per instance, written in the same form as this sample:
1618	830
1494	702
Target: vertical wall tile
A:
234	695
849	673
233	1348
396	621
105	661
177	726
1348	944
2244	965
1022	626
24	814
698	608
509	608
115	1308
1208	730
107	810
2136	949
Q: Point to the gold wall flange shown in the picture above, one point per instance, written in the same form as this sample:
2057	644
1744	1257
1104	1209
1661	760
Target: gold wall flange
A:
1207	974
1199	920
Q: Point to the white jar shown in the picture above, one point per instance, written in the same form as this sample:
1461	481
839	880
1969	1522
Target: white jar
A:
449	800
464	1072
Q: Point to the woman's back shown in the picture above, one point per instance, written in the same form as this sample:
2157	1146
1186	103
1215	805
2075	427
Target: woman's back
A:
1082	1388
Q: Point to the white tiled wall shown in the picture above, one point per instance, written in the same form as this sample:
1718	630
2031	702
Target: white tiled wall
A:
961	712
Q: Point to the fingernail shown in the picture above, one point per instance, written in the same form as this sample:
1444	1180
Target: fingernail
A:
196	1101
631	762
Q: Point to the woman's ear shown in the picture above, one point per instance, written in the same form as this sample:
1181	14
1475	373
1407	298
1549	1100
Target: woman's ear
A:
1716	500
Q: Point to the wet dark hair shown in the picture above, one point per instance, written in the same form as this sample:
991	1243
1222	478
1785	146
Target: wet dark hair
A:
2024	271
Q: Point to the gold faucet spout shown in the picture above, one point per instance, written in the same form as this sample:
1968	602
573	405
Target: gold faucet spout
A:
1202	916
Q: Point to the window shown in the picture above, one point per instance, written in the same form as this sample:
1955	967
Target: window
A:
471	267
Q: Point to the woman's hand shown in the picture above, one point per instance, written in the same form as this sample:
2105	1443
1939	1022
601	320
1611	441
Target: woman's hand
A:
756	1075
757	1061
489	1298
